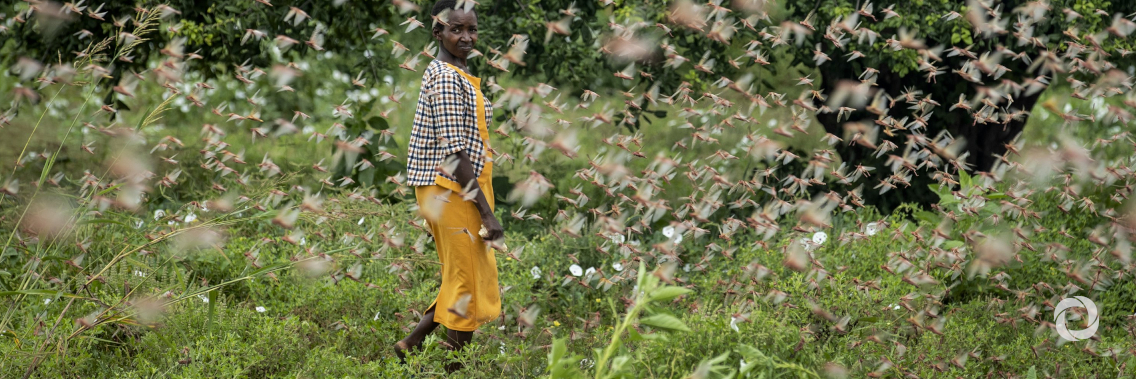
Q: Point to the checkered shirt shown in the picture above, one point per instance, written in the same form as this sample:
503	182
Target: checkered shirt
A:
445	122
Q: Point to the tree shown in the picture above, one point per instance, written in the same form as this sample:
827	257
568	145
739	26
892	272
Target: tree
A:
953	50
222	33
994	57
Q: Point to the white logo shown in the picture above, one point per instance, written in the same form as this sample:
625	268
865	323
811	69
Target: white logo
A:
1091	318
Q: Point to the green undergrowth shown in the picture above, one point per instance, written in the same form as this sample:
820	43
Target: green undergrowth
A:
296	325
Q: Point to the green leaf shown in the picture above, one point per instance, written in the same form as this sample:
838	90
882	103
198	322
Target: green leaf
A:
37	293
642	273
106	341
945	196
367	177
271	267
143	119
103	221
378	123
1032	373
668	292
212	308
929	217
10	334
636	336
560	365
964	179
111	188
664	321
618	363
559	347
47	169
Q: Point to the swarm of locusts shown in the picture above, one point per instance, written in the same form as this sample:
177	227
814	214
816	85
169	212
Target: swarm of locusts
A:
773	201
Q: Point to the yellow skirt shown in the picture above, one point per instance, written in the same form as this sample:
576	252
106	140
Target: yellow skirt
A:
468	265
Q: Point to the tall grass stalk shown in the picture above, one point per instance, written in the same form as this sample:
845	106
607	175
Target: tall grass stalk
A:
115	313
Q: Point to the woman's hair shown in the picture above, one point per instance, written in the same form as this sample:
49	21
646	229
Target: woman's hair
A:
442	5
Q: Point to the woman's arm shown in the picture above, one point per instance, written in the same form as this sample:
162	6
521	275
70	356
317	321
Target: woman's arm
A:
466	178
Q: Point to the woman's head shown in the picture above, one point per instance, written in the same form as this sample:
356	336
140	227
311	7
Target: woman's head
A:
460	36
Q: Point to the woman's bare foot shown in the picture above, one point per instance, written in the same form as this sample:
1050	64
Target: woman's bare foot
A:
425	326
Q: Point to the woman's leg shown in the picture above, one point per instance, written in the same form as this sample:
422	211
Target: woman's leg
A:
457	340
414	340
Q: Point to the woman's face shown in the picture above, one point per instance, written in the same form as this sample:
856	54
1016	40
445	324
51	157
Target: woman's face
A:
459	37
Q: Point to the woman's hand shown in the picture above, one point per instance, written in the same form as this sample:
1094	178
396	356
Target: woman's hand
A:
493	229
465	174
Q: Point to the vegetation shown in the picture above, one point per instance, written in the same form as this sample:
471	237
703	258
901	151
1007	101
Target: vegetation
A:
190	195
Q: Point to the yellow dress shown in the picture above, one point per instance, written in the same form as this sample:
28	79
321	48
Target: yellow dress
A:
468	265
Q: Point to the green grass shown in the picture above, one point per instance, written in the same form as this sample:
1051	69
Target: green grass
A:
314	327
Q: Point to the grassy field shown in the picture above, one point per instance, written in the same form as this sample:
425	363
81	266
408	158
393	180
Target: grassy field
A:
295	325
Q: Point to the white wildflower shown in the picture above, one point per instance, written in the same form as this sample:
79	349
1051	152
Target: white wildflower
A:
260	309
668	231
535	272
576	270
872	228
820	237
617	266
159	214
734	324
191	217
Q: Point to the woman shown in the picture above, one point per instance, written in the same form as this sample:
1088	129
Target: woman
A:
449	157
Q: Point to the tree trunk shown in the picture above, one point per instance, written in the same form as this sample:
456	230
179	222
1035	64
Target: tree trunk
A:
983	142
986	142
